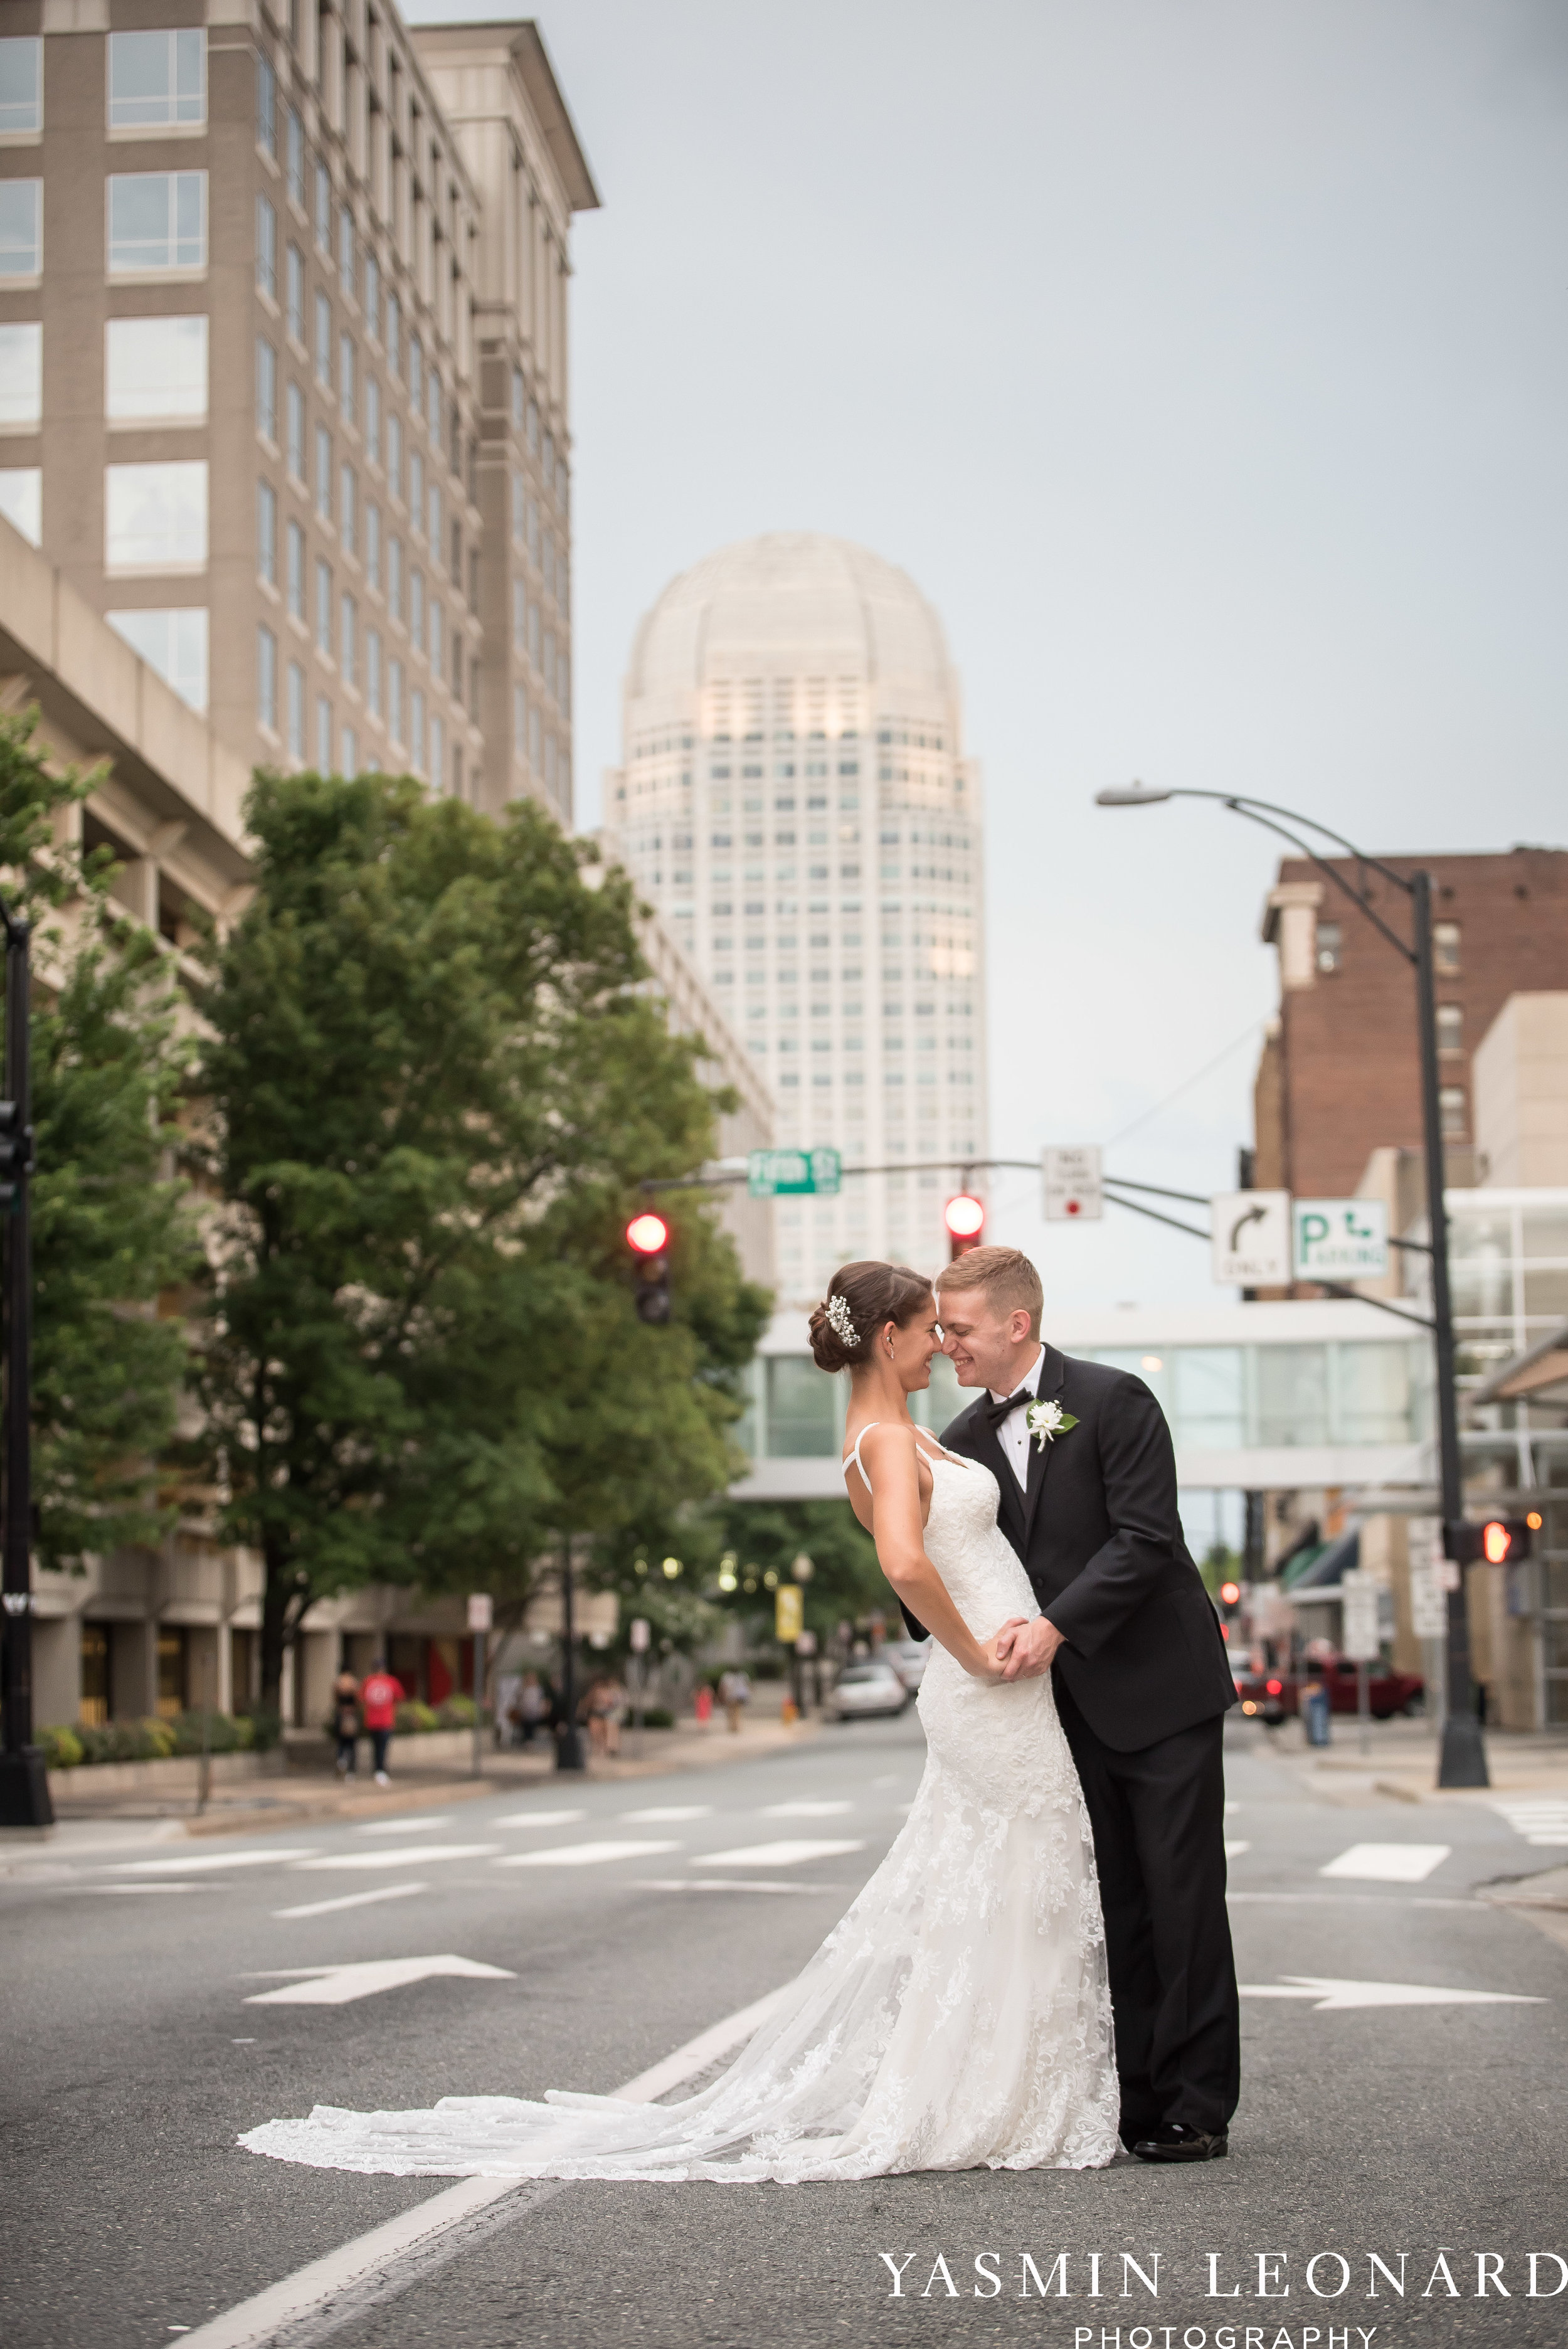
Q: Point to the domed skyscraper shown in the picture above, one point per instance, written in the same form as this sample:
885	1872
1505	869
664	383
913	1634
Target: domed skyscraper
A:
796	803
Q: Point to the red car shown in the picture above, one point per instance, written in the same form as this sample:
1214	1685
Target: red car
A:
1274	1696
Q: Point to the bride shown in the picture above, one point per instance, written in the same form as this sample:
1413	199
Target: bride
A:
958	2016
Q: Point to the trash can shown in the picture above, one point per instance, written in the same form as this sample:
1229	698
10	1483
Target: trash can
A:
1315	1713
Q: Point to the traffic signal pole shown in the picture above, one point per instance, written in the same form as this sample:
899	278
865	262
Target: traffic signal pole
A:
24	1780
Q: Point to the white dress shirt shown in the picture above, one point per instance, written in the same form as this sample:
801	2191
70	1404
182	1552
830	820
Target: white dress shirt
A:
1013	1432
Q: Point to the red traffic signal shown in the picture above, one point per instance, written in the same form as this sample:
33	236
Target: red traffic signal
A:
964	1216
648	1237
1231	1594
647	1234
1496	1541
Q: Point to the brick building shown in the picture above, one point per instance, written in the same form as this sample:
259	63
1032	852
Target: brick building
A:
1340	1073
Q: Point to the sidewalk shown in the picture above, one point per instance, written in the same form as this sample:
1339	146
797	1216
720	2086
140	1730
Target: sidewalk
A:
254	1806
1401	1763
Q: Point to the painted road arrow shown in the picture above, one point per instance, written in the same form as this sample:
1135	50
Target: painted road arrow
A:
337	1986
1330	1996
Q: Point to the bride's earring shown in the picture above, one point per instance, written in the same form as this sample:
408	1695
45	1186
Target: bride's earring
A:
889	1344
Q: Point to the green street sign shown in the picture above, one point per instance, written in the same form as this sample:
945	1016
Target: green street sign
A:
793	1174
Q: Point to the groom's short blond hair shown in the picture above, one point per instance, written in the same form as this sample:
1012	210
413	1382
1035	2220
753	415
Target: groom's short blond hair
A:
1009	1279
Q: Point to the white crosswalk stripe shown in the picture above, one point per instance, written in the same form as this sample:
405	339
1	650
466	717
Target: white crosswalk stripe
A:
1388	1863
774	1855
1540	1819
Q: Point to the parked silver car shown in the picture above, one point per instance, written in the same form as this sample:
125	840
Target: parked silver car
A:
908	1658
863	1690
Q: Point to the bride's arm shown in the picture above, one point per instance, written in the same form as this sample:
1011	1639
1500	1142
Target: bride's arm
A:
891	1475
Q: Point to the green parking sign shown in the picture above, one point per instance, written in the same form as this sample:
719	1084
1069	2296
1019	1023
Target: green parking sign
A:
1340	1239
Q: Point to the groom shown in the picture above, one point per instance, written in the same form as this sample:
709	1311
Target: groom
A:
1142	1684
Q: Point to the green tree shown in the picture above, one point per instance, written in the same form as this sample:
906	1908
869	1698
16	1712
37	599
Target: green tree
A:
112	1233
755	1538
435	1074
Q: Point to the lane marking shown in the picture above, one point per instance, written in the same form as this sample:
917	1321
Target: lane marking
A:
338	1985
1331	1997
774	1855
1389	1863
729	1884
203	1862
404	1826
1540	1819
418	1855
141	1888
585	1855
805	1810
1233	1850
352	1900
1356	1900
539	1818
333	2292
668	1813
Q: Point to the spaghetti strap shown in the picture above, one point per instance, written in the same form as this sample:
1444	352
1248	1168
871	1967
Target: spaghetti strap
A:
854	1454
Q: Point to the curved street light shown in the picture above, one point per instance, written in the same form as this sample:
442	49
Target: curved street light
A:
1464	1755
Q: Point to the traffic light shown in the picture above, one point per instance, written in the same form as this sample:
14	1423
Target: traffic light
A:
964	1218
16	1152
1496	1541
648	1237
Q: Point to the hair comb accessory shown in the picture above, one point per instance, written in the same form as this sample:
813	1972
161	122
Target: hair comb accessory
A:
837	1315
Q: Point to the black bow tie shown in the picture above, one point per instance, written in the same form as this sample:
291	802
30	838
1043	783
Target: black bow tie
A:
996	1412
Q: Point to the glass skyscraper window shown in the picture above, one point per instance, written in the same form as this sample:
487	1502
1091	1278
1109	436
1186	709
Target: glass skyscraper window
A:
157	80
155	516
21	377
157	220
21	228
22	85
155	371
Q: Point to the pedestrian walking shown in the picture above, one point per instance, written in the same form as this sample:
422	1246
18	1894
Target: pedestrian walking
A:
378	1702
702	1704
345	1721
604	1706
735	1695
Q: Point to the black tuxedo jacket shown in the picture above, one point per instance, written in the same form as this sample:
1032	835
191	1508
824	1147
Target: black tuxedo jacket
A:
1101	1543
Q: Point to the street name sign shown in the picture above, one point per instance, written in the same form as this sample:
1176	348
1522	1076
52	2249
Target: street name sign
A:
1071	1180
794	1174
1251	1239
1340	1239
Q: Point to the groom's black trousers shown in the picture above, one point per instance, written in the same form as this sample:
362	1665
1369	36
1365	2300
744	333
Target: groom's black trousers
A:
1159	1820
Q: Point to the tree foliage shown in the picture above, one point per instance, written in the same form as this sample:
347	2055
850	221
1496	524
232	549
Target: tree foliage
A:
111	1233
435	1076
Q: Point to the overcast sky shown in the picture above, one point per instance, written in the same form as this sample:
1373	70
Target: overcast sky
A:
1203	361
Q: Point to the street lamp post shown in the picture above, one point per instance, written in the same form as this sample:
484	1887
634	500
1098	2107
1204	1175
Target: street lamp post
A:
1463	1757
24	1780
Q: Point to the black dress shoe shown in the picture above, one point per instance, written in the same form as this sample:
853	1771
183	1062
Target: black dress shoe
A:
1174	2141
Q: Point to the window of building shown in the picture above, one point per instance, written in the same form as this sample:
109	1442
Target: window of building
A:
155	370
416	491
373	296
322	735
324	341
416	731
21	228
438	756
519	615
157	81
1330	946
323	205
293	292
294	574
434	520
435	640
267	679
345	375
348	637
395	699
373	672
293	151
416	375
346	249
1451	1028
394	334
395	576
21	85
266	390
21	378
395	455
174	642
373	419
157	220
347	504
268	533
324	609
1451	1110
22	499
294	436
373	545
416	606
155	516
295	713
323	472
266	105
1445	949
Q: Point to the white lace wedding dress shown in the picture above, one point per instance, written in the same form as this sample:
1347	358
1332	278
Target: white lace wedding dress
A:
956	2018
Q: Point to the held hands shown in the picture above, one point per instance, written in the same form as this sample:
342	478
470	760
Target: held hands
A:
1025	1649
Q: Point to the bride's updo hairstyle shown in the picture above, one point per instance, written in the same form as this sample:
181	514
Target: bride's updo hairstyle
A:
861	1299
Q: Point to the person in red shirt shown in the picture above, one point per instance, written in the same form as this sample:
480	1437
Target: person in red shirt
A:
379	1699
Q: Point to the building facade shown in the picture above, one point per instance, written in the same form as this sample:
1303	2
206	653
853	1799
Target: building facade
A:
1340	1073
283	378
796	801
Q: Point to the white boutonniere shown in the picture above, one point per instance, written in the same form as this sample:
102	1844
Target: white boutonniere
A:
1046	1421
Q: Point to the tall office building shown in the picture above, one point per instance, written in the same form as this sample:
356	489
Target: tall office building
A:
282	369
795	801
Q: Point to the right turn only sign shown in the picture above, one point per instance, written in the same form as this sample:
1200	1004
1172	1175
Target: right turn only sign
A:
1251	1239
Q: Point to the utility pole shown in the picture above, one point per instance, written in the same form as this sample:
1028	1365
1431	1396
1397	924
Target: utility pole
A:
24	1780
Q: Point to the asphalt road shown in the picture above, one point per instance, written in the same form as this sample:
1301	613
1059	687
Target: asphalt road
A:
134	2061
